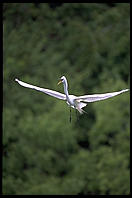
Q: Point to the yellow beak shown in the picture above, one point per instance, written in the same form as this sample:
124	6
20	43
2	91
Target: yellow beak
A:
59	82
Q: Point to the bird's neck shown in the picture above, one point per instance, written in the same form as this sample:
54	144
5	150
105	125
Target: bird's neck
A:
66	88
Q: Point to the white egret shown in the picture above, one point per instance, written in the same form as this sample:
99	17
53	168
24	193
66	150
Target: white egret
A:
77	102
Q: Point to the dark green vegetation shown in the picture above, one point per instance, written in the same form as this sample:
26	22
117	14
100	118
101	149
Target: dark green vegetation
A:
43	153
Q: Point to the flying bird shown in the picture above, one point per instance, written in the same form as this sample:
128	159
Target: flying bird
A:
76	102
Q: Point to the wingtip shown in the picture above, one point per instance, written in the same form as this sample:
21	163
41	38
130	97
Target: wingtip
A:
124	90
16	79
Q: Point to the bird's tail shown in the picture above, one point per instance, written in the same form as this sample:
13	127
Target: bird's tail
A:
80	106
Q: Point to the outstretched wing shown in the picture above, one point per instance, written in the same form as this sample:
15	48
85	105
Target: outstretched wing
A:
46	91
98	97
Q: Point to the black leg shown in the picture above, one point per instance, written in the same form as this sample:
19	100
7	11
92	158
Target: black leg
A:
70	113
77	115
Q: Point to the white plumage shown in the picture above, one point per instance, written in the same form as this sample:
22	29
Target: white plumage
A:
77	102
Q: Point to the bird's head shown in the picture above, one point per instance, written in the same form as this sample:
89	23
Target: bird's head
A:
62	80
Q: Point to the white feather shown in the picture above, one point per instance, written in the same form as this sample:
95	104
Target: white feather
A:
77	102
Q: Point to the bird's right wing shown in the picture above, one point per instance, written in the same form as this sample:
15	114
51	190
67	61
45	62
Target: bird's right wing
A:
98	97
46	91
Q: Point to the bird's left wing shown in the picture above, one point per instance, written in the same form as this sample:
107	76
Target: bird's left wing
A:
98	97
46	91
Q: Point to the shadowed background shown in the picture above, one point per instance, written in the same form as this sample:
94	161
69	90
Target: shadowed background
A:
43	153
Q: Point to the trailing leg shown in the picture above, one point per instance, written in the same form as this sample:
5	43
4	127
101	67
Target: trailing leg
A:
77	115
70	113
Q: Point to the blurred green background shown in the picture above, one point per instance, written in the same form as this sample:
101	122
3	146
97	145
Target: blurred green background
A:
43	153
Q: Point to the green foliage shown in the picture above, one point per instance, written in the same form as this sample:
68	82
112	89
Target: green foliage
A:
43	153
